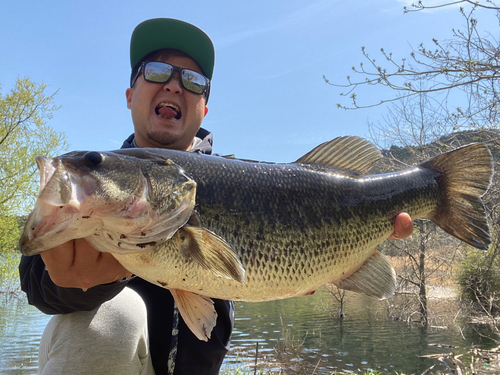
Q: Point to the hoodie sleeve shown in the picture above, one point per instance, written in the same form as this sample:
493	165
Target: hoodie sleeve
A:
52	299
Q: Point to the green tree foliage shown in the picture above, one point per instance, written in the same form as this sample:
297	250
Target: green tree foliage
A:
24	134
10	230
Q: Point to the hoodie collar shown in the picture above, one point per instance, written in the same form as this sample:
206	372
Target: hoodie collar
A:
202	143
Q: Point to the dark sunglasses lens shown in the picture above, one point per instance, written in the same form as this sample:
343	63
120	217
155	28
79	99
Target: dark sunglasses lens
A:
157	72
193	81
160	72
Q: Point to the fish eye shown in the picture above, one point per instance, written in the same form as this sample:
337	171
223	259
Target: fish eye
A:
93	158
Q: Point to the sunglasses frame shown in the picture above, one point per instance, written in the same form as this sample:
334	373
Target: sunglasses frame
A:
206	91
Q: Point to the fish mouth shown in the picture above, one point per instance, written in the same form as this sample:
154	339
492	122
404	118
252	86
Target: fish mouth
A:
46	169
168	110
55	182
54	195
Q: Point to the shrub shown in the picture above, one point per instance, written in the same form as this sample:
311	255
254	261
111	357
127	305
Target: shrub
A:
479	280
10	230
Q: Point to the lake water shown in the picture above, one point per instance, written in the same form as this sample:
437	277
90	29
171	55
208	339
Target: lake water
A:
21	327
312	339
301	335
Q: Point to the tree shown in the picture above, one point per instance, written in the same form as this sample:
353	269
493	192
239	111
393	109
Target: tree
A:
24	134
465	69
408	134
341	296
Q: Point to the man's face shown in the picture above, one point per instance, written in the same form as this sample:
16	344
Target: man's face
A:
155	124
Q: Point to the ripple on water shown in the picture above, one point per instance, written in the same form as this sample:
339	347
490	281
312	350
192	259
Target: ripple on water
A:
21	327
300	335
308	328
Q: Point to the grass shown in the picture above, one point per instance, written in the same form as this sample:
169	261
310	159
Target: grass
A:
247	363
252	371
243	367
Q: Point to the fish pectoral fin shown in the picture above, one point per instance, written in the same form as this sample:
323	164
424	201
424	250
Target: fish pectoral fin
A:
194	219
197	311
376	278
213	253
350	153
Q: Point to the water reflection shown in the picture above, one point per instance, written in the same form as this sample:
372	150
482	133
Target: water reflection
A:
311	338
300	335
21	327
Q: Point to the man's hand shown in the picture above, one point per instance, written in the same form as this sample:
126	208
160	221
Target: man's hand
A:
403	227
76	264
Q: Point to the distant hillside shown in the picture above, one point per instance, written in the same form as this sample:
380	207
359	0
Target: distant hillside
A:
397	158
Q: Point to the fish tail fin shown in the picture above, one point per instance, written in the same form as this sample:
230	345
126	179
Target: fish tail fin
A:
465	175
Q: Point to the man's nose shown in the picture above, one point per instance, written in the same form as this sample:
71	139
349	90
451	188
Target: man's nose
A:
174	84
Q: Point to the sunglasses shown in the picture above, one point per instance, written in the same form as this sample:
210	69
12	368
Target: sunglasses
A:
160	72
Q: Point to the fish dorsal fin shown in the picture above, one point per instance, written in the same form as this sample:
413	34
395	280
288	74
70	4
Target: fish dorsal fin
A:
197	311
376	278
212	252
349	153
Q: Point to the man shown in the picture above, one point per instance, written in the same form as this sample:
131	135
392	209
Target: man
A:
101	326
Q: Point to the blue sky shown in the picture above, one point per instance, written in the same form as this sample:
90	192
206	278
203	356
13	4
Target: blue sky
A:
268	101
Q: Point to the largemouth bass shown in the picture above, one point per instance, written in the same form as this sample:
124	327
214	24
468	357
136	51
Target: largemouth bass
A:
213	227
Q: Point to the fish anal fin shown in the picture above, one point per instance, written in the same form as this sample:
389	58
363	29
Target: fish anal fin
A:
212	252
350	153
375	278
197	311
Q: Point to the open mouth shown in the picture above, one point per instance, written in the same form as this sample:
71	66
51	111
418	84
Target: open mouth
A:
168	111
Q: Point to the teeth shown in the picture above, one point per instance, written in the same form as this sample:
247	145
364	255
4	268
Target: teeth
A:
173	106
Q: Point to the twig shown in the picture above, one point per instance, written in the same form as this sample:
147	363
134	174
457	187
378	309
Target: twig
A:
317	364
458	364
256	355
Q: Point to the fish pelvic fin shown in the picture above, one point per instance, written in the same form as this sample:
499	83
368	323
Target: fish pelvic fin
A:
350	153
212	252
197	311
375	278
464	176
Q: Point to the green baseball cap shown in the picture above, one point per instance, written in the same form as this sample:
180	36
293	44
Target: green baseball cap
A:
161	33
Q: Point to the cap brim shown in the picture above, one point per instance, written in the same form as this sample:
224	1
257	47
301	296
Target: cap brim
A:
161	33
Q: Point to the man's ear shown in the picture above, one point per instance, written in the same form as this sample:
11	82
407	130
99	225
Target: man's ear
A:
206	111
129	93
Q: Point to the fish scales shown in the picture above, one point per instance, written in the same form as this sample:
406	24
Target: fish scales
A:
282	243
213	227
